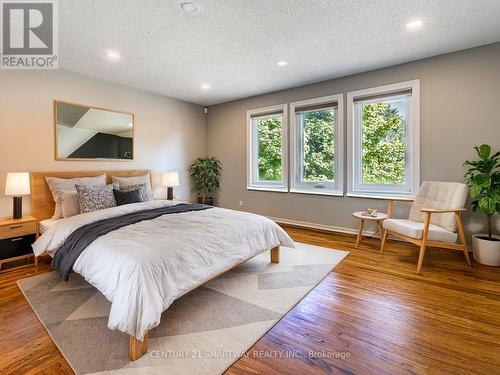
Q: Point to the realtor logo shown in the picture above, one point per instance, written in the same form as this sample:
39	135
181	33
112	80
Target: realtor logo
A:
29	34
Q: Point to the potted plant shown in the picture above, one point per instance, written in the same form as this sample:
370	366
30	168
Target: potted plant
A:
205	174
483	178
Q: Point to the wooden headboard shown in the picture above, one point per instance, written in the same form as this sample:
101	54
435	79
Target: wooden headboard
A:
42	202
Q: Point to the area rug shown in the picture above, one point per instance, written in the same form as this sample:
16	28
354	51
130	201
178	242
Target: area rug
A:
203	332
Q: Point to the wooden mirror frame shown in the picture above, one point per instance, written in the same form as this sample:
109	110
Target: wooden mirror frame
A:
56	156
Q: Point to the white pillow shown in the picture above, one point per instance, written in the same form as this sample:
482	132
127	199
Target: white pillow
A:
123	182
56	185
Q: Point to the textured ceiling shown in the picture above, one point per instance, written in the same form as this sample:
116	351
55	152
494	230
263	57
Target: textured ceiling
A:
234	45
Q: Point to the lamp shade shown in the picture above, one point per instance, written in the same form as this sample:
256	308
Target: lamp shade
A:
170	179
18	184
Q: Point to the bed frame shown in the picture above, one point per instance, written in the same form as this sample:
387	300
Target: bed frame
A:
42	207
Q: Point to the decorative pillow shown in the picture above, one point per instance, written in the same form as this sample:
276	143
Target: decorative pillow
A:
94	198
143	192
69	203
127	197
137	180
57	185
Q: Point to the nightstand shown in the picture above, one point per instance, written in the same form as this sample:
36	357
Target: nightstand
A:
16	237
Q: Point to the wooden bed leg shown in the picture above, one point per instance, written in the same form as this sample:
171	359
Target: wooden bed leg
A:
138	348
275	254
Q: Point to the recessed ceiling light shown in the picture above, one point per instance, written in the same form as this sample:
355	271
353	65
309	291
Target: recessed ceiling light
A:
113	55
281	63
205	86
414	25
189	7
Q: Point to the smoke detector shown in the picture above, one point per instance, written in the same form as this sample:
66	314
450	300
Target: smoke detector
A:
189	7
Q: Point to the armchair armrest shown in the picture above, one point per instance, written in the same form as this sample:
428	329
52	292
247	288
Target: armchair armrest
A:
390	203
443	211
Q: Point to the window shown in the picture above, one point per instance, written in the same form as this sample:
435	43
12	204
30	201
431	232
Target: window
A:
316	150
383	140
267	149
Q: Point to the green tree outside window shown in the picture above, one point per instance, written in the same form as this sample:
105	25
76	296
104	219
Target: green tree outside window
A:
318	146
269	136
383	147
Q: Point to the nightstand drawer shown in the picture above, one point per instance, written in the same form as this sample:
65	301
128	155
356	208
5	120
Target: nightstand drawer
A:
17	230
17	246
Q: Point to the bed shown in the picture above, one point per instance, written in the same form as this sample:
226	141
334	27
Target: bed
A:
46	224
141	268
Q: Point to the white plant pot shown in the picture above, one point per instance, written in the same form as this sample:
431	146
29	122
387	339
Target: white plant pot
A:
486	252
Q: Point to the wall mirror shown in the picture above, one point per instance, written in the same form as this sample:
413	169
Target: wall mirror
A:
91	133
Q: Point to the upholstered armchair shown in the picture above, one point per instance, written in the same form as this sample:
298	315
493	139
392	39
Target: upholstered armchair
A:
435	219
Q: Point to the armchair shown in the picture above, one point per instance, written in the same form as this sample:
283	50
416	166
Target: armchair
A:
435	219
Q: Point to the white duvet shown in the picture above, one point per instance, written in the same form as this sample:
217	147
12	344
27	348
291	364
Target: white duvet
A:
142	268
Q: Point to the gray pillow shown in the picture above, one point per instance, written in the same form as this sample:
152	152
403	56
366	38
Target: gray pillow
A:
127	197
94	198
143	192
135	180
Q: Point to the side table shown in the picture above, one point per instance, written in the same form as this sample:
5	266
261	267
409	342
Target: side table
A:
377	219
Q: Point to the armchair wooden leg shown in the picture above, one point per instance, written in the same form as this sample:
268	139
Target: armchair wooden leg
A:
138	348
421	258
424	241
461	234
275	254
384	239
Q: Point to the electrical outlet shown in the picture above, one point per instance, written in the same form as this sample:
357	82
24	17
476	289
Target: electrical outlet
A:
240	203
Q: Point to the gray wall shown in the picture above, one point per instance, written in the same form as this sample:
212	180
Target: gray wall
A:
460	108
169	133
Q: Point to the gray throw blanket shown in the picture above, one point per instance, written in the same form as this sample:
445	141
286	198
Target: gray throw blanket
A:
80	239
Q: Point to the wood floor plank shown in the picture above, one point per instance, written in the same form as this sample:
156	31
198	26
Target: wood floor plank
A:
373	314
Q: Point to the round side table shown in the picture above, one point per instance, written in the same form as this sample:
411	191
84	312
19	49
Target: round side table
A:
377	219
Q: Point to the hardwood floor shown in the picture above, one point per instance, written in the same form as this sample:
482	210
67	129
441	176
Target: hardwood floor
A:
373	314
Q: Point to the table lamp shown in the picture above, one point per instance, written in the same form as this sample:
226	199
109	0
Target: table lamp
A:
17	185
169	180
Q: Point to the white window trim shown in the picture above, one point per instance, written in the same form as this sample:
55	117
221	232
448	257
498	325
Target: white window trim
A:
268	186
413	136
338	187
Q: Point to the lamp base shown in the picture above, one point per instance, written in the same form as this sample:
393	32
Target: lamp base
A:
170	193
17	212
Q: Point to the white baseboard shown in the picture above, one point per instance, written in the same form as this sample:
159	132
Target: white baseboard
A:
329	228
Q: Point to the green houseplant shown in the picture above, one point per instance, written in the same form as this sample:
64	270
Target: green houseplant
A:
205	174
483	178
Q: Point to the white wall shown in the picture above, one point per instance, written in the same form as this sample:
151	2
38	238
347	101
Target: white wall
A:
169	133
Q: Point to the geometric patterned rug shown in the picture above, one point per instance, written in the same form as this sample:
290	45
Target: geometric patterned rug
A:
203	332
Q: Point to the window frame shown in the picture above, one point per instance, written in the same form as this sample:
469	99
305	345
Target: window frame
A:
296	186
252	156
355	188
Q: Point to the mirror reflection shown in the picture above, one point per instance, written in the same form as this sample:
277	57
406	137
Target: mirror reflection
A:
92	133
